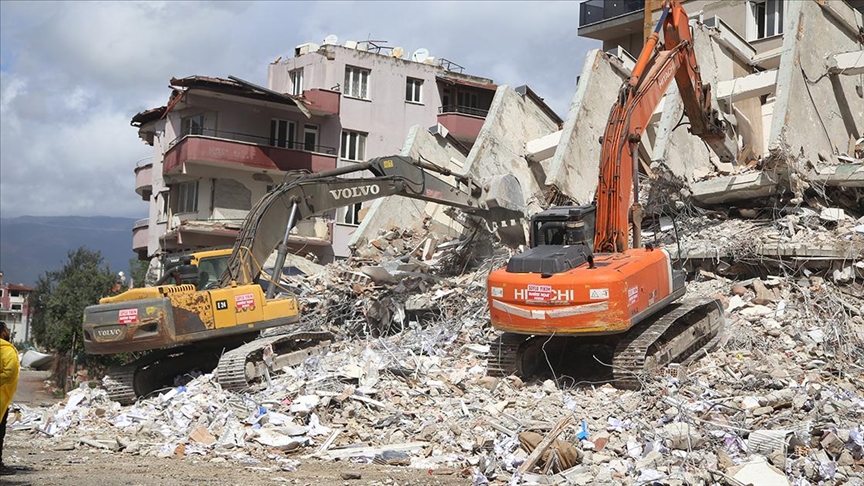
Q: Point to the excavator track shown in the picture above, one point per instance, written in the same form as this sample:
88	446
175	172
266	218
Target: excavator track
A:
690	328
503	357
148	373
120	384
683	333
240	366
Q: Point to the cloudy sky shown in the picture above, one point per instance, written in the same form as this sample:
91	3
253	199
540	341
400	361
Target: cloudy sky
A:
72	74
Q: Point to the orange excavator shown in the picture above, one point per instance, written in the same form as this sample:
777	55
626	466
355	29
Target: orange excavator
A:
575	283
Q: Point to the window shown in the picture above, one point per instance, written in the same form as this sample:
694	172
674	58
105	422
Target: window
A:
767	19
282	133
468	100
413	89
14	293
187	197
351	215
297	82
16	307
356	82
1	292
353	145
310	137
192	125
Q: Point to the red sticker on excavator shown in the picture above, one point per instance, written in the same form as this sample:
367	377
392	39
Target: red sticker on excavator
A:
128	316
244	301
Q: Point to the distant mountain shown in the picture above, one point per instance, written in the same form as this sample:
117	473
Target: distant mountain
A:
32	245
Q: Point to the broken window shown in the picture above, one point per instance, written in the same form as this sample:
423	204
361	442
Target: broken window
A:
192	125
767	17
351	215
353	145
413	89
282	133
356	82
297	82
187	197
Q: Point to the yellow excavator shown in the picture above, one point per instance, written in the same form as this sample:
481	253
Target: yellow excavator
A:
192	320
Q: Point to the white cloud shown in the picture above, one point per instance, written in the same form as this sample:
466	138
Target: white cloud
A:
72	74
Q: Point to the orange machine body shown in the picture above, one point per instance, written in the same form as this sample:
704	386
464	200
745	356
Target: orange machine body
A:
625	283
620	290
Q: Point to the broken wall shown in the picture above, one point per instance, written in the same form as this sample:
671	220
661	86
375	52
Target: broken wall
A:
683	153
512	121
403	212
816	114
574	169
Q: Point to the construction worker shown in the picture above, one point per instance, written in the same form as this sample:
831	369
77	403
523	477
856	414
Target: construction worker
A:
8	384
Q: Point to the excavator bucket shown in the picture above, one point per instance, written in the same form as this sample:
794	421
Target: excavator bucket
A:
503	207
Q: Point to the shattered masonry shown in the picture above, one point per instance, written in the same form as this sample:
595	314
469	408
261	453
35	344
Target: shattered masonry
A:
778	236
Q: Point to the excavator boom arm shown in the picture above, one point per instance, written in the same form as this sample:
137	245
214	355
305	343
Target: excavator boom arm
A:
269	221
657	66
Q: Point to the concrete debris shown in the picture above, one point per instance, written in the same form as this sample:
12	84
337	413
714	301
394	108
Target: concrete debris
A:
779	402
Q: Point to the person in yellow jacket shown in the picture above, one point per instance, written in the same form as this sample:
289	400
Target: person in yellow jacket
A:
8	384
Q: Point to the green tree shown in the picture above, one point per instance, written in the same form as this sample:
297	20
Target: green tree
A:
58	305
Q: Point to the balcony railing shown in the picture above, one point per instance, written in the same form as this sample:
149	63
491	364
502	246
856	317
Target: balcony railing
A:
255	139
141	223
467	110
593	11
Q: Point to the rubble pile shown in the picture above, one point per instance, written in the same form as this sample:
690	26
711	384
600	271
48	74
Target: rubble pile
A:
780	401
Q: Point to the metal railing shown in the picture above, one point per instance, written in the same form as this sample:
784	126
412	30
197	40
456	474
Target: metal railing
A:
462	109
256	139
593	11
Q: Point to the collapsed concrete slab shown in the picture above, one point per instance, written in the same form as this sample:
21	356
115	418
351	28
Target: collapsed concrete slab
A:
575	167
403	212
513	120
816	113
736	187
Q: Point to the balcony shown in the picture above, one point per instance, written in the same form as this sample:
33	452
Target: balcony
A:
144	179
244	152
625	16
202	233
322	101
463	122
593	11
140	230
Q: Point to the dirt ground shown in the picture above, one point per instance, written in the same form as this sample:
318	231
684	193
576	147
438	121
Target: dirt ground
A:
49	462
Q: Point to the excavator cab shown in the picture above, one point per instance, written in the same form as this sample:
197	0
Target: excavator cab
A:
563	225
561	238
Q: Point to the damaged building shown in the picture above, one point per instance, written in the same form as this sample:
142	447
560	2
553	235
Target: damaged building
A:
220	144
773	234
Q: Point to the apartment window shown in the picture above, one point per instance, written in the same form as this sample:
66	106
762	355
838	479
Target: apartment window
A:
767	19
310	137
297	82
14	293
351	215
192	125
282	133
1	292
16	307
413	90
468	100
356	82
187	197
353	145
